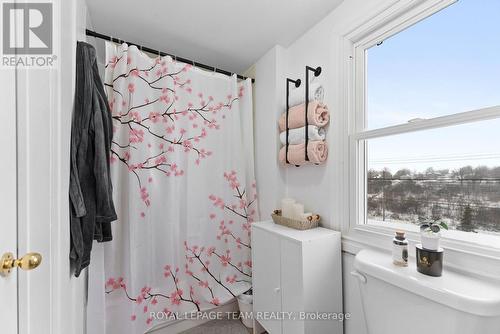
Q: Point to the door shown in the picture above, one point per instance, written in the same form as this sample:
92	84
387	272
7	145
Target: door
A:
292	285
266	276
8	199
25	193
23	200
35	125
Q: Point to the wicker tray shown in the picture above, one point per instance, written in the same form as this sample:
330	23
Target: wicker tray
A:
310	222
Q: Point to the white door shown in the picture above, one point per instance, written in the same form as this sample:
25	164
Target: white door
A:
266	276
8	199
28	114
24	203
35	124
292	285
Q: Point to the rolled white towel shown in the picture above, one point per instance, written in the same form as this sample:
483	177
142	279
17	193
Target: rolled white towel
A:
297	136
297	95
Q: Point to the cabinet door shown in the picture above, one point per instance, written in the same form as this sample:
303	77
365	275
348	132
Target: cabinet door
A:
266	277
292	289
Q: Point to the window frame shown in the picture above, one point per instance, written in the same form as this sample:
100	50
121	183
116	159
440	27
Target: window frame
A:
390	21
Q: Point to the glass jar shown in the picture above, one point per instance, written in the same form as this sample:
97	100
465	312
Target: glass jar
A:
400	249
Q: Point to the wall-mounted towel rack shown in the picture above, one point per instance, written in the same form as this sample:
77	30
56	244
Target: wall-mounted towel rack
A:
299	107
317	72
297	85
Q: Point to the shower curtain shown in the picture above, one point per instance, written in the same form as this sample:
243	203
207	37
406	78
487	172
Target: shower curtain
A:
184	189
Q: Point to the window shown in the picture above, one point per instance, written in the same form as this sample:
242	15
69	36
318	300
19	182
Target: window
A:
445	64
427	132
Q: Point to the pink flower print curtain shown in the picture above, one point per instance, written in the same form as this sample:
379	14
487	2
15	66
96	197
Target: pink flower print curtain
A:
184	189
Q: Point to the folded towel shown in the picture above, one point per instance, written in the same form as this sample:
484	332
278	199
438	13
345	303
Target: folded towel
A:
317	152
317	114
297	95
297	136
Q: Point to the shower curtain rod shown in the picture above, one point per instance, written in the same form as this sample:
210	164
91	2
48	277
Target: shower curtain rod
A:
161	53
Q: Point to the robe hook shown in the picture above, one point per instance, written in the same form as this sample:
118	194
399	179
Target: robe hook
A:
316	71
295	82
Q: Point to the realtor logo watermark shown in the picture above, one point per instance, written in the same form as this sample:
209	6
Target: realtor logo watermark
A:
27	39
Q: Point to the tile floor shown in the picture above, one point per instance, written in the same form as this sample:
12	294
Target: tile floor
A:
220	327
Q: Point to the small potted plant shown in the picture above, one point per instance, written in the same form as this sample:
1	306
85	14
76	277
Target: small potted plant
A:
430	234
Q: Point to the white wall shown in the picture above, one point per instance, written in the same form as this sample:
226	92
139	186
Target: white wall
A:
322	189
267	108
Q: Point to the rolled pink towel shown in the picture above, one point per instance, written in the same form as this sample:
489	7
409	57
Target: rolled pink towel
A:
318	115
317	152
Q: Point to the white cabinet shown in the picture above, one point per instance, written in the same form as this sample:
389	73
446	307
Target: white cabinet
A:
297	277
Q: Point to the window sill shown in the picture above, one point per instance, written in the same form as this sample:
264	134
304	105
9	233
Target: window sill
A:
475	253
480	241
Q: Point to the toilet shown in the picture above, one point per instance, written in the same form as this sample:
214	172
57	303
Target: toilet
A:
403	301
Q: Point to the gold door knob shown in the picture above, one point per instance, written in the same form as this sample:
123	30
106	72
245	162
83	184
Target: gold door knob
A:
28	262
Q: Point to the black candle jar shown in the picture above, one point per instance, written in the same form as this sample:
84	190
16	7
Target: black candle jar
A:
429	262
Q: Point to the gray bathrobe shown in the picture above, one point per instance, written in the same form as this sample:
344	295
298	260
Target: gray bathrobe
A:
91	193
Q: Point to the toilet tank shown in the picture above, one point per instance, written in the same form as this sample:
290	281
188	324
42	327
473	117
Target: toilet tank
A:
401	300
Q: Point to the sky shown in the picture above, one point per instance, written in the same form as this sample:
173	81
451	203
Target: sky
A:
445	64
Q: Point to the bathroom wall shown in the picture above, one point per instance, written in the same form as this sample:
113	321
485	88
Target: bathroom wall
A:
268	105
323	189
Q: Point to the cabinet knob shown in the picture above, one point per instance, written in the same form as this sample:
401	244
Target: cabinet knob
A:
277	290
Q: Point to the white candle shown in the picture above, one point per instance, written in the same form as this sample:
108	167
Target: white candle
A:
298	211
287	207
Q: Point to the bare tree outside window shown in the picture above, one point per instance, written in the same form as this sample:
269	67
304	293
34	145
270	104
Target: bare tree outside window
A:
468	203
